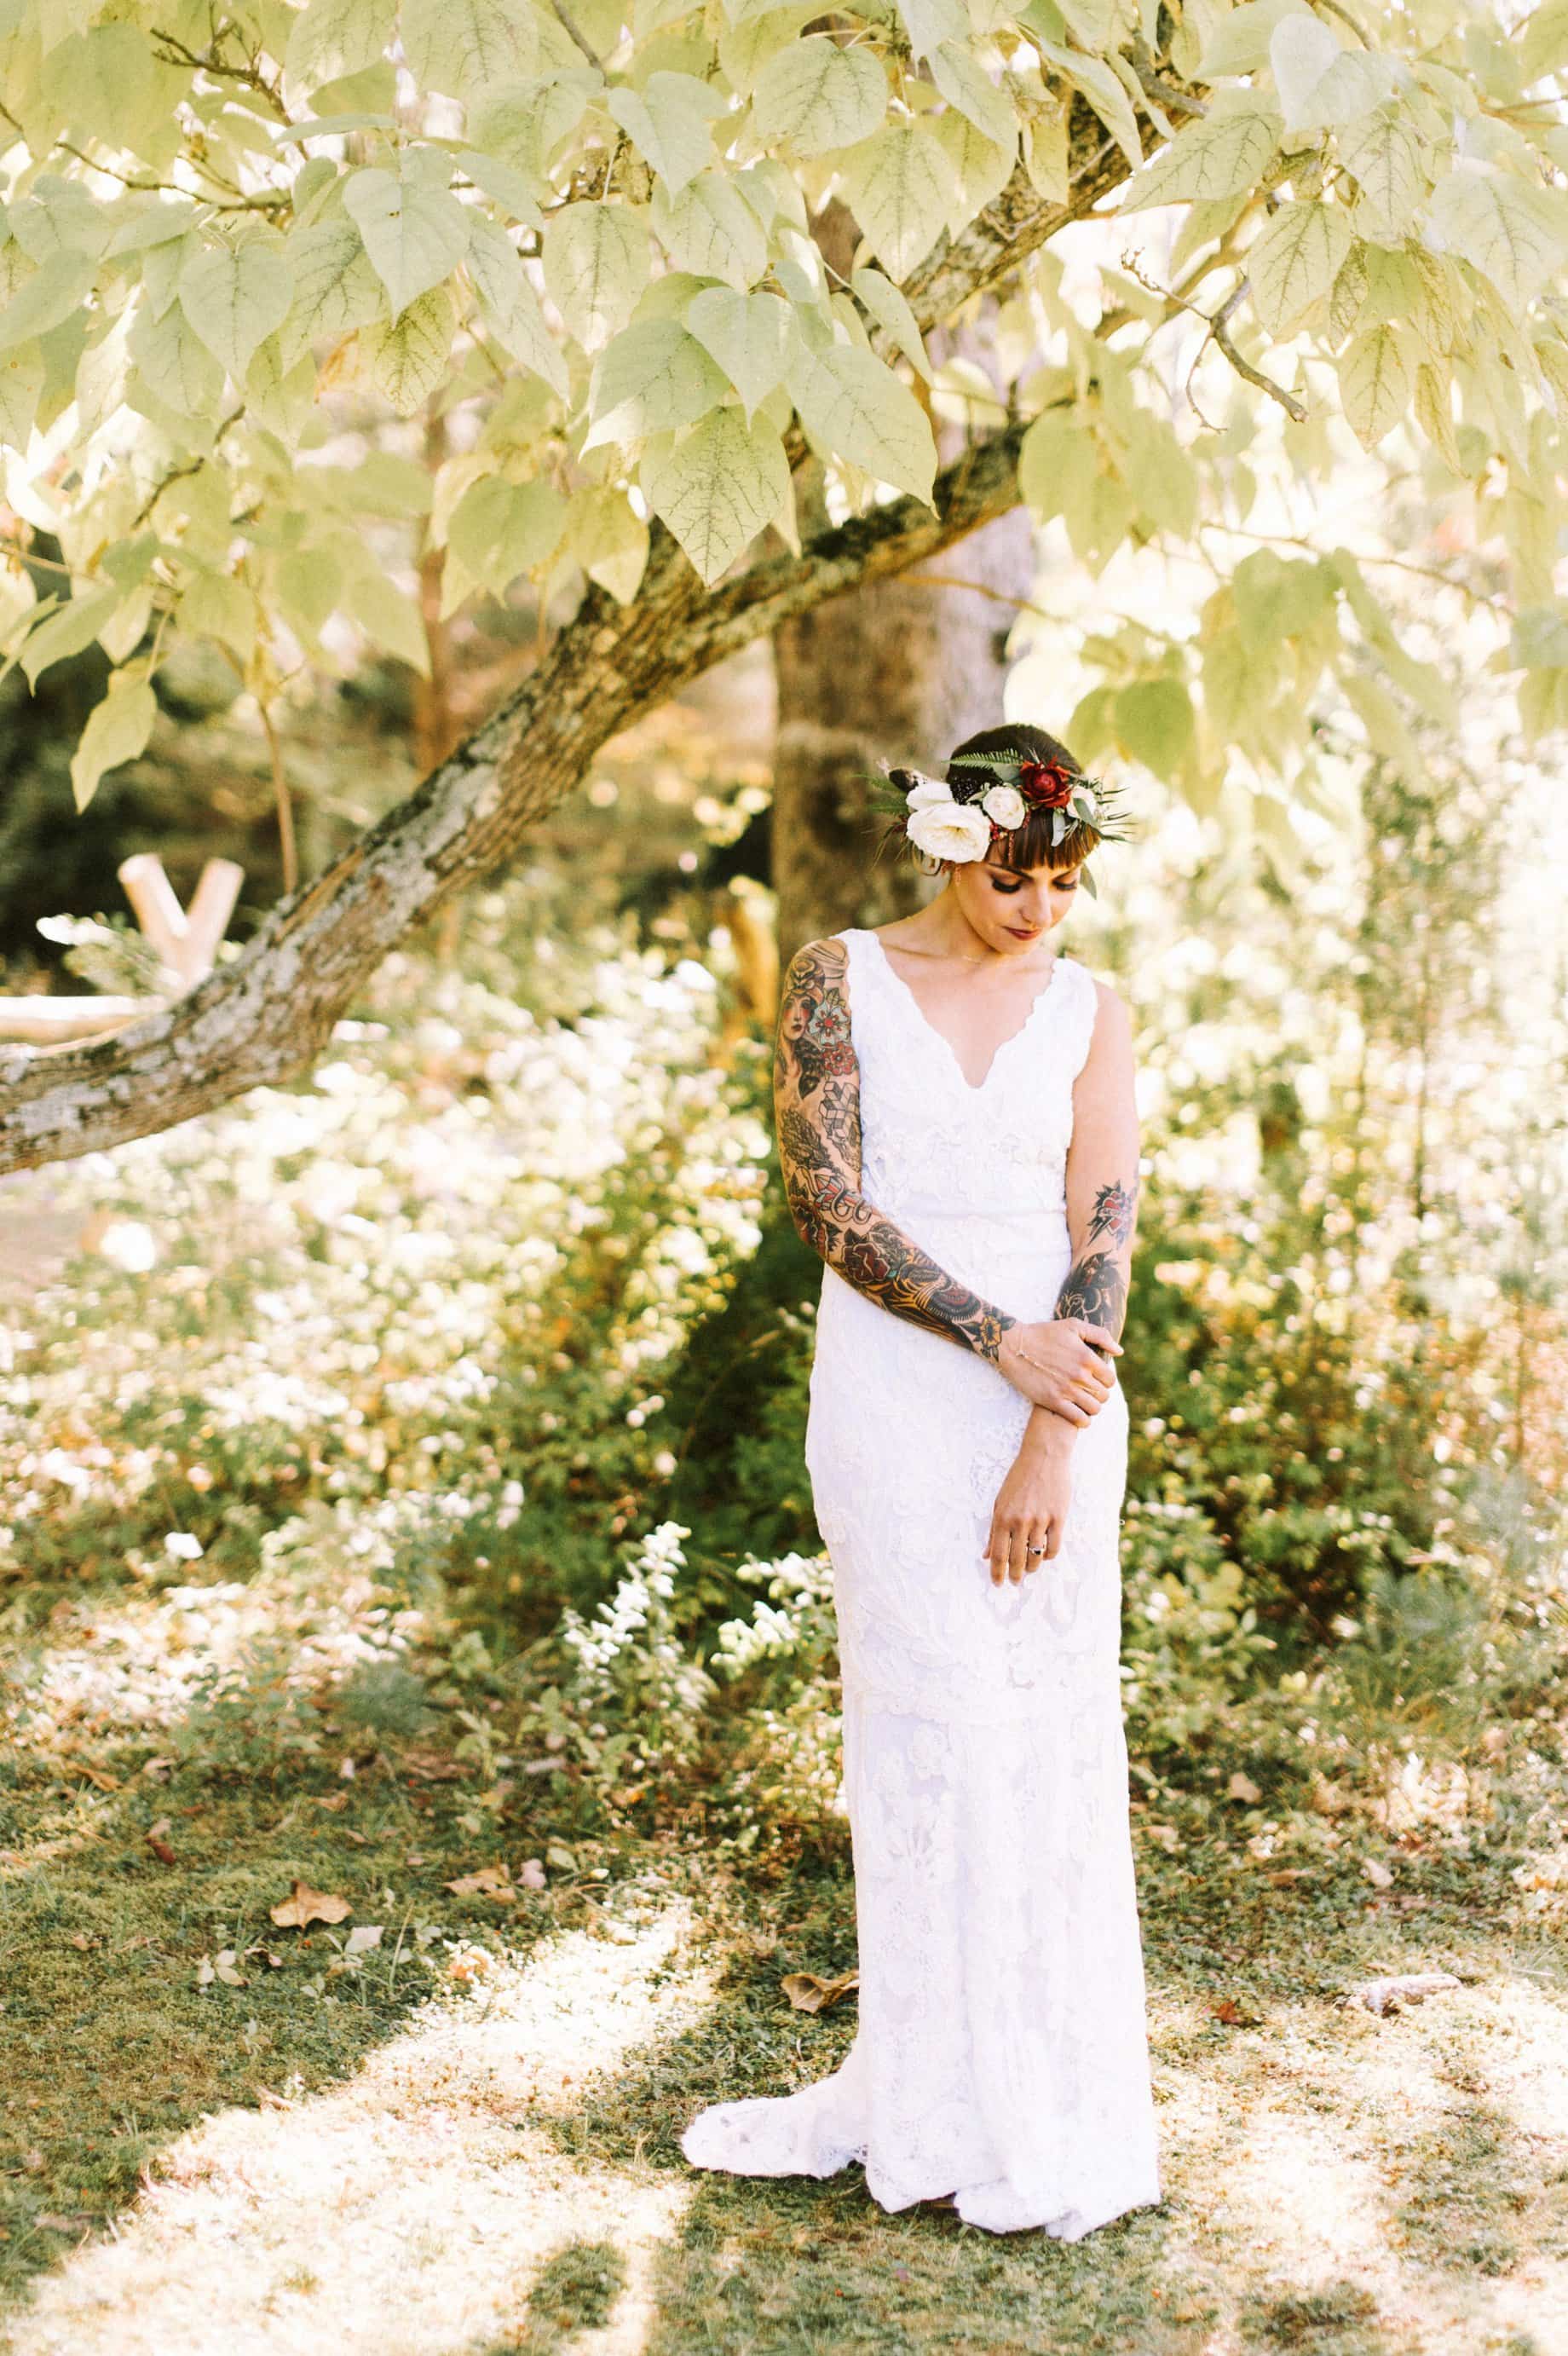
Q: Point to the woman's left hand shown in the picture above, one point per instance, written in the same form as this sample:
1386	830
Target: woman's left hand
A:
1031	1509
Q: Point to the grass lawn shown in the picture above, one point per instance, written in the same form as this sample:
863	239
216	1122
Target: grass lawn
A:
459	2138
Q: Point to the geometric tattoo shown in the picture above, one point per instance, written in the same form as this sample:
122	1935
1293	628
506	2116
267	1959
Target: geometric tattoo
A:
816	1097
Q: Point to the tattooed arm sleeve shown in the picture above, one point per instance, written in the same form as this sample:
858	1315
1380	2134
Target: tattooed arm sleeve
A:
1103	1174
816	1103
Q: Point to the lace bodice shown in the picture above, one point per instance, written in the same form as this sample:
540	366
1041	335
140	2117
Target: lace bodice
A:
931	1142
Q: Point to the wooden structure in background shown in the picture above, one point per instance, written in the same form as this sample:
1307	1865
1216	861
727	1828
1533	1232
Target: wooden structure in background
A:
186	942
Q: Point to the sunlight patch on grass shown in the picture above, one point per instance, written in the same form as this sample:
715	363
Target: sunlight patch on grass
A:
1393	2187
416	2211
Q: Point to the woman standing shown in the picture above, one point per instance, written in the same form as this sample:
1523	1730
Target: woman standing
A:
959	1142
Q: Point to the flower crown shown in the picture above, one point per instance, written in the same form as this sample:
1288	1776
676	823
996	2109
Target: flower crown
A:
962	821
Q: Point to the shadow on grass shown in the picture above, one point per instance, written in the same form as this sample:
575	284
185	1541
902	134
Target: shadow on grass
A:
117	2040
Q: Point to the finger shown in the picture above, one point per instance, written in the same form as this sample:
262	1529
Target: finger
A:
1021	1561
1001	1547
1098	1333
1034	1550
1053	1538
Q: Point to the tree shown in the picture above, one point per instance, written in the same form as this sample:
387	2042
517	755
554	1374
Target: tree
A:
586	242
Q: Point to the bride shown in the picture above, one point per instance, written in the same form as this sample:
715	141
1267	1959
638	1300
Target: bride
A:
959	1143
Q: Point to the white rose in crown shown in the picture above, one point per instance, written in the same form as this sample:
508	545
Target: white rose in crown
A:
950	829
1005	805
927	792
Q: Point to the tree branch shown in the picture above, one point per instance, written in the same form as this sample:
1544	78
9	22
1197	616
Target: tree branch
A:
259	1020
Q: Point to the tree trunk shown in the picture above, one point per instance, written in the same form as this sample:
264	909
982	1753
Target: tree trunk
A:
259	1020
897	672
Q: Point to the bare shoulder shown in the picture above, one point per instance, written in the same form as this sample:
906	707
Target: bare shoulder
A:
1111	1040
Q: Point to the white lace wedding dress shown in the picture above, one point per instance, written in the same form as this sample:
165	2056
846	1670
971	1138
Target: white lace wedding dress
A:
1001	2049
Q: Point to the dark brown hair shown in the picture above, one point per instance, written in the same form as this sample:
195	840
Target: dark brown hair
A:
1028	844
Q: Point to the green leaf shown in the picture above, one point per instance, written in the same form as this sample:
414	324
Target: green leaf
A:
504	184
500	530
216	605
408	355
718	487
525	123
1426	686
1434	415
1322	83
1544	47
336	286
652	378
1296	260
1154	724
1223	154
53	291
467	48
512	310
853	406
1057	463
980	169
388	617
929	23
1239	42
1102	88
1510	231
964	83
414	234
817	95
889	307
107	83
308	583
334	37
711	231
609	542
667	121
752	338
1375	378
1384	154
1045	155
117	729
176	365
67	631
21	383
232	296
901	185
596	263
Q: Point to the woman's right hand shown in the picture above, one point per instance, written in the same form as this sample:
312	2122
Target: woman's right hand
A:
1053	1365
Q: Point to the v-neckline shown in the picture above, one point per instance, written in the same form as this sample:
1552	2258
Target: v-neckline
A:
975	1087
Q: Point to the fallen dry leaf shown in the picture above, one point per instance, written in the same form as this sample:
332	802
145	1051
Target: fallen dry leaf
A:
50	2224
433	1767
305	1905
362	1938
156	1842
332	1800
1377	1873
532	1875
80	1939
1409	1987
1242	1787
489	1881
809	1994
159	1769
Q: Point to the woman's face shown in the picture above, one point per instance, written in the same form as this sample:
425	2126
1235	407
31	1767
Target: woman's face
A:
1012	907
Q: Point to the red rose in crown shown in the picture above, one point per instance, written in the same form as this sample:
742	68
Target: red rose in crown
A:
1050	783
